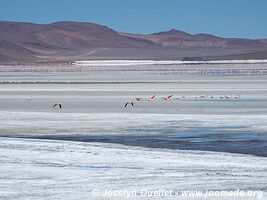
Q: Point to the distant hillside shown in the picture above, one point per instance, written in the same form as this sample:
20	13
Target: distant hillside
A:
68	41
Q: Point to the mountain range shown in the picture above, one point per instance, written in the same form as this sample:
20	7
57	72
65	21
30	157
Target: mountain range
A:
66	41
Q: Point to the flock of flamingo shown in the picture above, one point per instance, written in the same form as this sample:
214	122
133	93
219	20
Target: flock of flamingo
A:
153	98
170	97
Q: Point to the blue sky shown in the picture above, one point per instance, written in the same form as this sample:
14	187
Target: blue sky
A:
229	18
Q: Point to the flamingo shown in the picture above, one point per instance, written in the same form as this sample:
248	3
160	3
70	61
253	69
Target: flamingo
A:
200	97
227	97
180	98
57	104
152	98
168	97
128	103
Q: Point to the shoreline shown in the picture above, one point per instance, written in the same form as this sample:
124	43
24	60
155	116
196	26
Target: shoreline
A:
244	148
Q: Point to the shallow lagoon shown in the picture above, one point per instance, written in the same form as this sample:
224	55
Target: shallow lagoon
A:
94	142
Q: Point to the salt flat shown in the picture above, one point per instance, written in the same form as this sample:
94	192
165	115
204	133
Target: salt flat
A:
43	169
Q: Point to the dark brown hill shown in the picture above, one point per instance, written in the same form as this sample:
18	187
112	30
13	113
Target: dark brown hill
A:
67	41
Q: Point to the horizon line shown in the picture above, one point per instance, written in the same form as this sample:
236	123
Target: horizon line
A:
91	22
